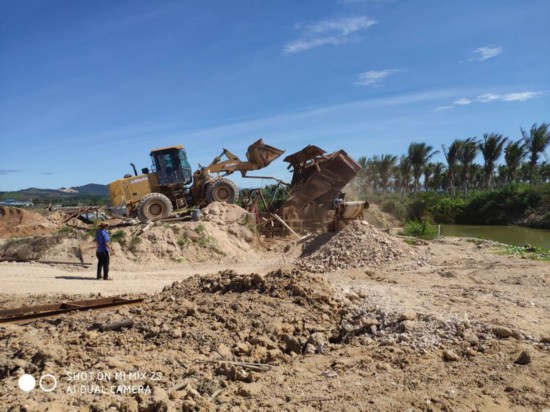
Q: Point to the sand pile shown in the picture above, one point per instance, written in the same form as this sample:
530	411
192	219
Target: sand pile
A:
357	245
226	233
190	330
228	341
16	222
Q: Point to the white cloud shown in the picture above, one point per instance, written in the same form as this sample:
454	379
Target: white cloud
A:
487	52
441	108
462	102
508	97
373	77
337	31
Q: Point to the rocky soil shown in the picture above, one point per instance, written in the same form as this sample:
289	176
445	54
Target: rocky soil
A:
358	320
357	245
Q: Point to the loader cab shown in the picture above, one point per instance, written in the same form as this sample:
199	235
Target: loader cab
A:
171	165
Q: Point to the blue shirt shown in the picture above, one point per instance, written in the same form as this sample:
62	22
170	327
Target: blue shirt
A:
101	237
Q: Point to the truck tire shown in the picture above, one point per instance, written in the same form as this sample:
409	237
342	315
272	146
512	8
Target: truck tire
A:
222	190
154	206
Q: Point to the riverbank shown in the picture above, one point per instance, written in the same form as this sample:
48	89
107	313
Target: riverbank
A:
510	235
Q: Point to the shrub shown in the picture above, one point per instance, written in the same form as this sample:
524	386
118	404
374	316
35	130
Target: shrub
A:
434	206
500	207
423	229
118	236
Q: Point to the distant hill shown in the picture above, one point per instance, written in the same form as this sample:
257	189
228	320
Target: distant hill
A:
89	190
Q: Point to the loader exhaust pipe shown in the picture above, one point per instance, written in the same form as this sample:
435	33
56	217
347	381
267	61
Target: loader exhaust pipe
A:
134	167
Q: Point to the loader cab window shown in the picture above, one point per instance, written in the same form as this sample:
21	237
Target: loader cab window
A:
172	166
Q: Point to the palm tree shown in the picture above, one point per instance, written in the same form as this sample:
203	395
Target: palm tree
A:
451	156
372	174
360	180
428	171
491	149
437	177
537	140
467	152
386	164
419	155
513	156
404	173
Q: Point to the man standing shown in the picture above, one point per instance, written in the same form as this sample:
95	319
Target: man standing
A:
103	250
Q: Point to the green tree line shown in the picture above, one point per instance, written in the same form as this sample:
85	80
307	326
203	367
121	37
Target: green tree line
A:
414	171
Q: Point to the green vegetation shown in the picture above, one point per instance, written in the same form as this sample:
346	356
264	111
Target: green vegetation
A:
502	206
412	187
118	237
526	251
206	241
134	241
183	242
424	229
204	238
65	229
511	204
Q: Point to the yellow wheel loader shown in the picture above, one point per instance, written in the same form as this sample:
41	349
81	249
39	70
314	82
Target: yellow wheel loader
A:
170	185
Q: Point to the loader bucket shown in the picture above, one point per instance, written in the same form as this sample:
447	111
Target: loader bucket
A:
261	154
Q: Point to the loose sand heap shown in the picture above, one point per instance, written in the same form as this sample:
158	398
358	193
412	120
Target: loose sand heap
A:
249	342
17	222
227	232
358	245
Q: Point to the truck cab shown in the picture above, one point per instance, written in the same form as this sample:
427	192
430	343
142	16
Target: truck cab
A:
171	166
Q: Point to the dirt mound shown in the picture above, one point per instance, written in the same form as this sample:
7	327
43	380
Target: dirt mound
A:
226	233
16	222
200	327
245	342
359	244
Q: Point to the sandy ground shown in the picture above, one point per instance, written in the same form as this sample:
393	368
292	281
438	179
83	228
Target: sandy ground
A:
459	279
459	282
37	278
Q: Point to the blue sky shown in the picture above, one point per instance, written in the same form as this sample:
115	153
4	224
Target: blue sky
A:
86	87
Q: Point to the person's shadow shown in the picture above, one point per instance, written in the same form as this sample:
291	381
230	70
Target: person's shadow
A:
76	277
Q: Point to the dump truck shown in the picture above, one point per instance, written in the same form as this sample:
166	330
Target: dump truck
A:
171	185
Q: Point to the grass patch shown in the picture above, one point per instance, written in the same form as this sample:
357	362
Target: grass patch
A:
134	241
423	229
204	238
526	252
183	242
206	241
65	229
119	236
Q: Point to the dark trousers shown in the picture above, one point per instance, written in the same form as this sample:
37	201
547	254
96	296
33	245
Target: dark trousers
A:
102	263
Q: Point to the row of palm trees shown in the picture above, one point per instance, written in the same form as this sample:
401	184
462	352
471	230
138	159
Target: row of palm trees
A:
387	172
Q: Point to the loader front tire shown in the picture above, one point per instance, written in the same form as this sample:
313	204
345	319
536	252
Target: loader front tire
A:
154	206
222	190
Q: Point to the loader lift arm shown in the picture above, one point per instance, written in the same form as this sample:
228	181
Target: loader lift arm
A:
258	155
